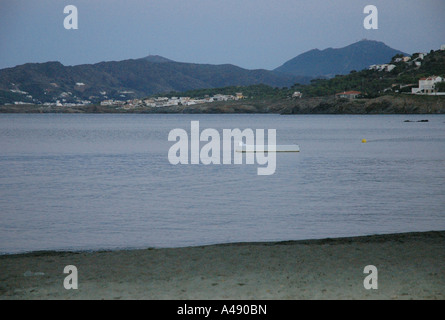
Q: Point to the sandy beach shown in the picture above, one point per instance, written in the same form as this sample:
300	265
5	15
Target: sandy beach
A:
410	266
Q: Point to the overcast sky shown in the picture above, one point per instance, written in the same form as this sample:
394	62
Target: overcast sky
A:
249	33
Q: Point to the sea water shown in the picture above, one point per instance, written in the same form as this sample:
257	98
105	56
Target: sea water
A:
98	181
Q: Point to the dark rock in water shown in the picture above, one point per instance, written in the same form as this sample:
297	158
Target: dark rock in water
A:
423	121
408	121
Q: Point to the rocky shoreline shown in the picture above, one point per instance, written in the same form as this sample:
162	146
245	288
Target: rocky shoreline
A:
381	105
402	104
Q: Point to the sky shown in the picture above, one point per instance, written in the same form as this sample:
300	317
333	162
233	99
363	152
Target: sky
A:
253	34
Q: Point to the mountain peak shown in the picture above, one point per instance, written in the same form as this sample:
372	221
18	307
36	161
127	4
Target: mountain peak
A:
330	62
156	59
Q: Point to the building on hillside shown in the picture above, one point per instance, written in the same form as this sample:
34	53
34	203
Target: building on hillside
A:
297	94
382	67
348	94
107	103
427	85
389	67
239	96
220	97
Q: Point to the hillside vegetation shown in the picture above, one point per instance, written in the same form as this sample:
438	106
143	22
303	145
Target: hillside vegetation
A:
371	83
374	83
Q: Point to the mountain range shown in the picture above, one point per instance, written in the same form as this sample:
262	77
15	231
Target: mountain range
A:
126	79
51	81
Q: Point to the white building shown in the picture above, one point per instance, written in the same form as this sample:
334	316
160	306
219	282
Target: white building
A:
220	97
107	103
389	67
427	85
382	67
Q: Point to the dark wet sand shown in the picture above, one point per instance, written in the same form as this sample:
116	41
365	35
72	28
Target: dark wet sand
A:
410	266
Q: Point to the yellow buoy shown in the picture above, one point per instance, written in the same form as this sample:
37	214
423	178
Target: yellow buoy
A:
364	141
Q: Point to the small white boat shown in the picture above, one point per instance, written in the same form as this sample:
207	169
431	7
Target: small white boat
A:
265	148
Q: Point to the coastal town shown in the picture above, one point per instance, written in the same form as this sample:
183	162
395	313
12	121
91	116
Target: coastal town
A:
160	102
128	99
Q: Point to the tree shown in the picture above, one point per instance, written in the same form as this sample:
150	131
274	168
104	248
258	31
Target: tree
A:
440	86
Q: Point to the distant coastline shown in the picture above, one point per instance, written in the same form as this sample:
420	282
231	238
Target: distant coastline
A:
389	104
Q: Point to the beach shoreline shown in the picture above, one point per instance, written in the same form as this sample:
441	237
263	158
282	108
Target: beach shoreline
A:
409	265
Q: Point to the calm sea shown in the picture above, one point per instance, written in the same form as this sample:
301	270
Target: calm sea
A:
89	182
